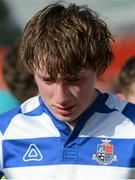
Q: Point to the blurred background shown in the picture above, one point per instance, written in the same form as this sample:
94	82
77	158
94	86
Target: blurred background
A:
118	14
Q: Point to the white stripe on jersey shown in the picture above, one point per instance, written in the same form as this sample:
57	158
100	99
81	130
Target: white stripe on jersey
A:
30	104
24	127
114	103
104	124
71	172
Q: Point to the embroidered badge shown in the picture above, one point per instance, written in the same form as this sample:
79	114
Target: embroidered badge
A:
105	153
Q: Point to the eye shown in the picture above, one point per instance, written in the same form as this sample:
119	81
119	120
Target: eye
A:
48	81
71	81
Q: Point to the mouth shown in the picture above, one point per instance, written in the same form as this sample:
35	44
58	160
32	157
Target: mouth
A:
64	110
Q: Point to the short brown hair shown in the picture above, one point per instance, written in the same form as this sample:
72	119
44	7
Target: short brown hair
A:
62	40
127	76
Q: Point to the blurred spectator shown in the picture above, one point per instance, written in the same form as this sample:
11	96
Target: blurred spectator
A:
19	82
9	33
125	88
3	52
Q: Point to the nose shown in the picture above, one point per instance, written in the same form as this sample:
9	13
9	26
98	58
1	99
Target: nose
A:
62	94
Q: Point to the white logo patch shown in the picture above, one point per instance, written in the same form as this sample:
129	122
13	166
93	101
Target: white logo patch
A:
32	154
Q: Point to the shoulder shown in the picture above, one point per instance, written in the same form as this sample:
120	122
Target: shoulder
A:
129	111
29	108
113	102
30	105
124	107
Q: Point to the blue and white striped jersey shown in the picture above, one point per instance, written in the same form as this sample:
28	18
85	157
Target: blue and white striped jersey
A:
36	145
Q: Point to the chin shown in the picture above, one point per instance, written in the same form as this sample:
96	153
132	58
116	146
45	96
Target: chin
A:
65	118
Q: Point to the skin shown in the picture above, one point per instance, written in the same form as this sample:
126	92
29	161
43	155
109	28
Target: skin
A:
131	94
67	100
128	94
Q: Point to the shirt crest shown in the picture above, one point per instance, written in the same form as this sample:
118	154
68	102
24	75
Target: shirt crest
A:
105	153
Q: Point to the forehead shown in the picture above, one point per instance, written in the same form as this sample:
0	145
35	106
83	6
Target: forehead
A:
83	72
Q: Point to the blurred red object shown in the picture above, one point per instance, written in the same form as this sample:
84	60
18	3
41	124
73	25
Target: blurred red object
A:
123	49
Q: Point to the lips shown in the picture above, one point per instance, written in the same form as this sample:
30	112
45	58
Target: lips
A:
64	111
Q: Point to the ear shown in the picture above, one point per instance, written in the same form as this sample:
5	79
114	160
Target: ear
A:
121	96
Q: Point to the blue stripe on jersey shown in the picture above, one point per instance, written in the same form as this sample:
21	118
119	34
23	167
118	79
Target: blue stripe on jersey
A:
124	149
50	152
6	118
14	151
129	111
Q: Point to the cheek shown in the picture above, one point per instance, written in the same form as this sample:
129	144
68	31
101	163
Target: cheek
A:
82	92
44	90
86	92
87	87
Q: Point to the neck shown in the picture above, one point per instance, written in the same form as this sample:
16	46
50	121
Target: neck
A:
70	125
